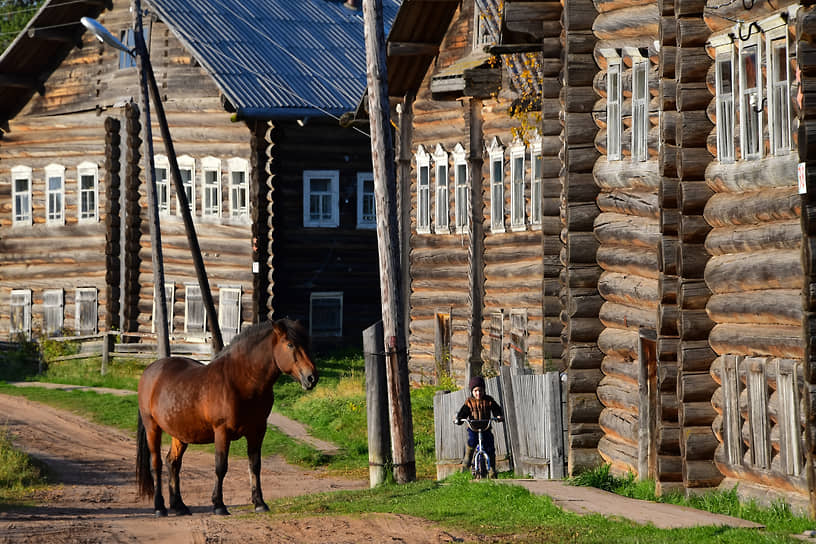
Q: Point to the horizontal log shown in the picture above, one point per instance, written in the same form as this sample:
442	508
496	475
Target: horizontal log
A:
583	303
669	469
693	229
584	356
699	443
620	342
583	408
630	202
641	42
685	8
695	387
576	275
580	460
691	31
691	65
701	474
693	295
772	306
691	260
770	172
584	380
628	230
667	320
692	162
697	414
620	426
692	96
617	393
628	289
692	128
694	324
621	457
625	174
758	270
641	262
628	23
620	316
722	15
580	187
775	204
750	340
695	355
582	329
621	369
781	235
668	437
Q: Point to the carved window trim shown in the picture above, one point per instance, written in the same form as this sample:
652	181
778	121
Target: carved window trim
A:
724	75
162	170
229	312
518	199
88	190
238	169
536	181
187	170
86	317
614	99
366	201
55	194
20	314
640	107
21	196
53	312
496	156
461	186
321	206
423	214
442	191
778	85
211	187
750	94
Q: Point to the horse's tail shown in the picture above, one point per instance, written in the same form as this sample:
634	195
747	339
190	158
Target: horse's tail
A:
144	478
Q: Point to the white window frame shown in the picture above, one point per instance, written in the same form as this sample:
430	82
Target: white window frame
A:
169	298
20	298
750	98
187	164
21	200
53	304
724	101
225	303
366	200
614	94
461	189
161	162
496	157
55	197
518	199
192	293
333	219
239	192
86	295
423	214
778	85
211	190
536	180
88	212
329	295
640	108
442	192
127	37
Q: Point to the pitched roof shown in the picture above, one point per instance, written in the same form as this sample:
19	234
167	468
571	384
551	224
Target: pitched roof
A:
275	58
270	58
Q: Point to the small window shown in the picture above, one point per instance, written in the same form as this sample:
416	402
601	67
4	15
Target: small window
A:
88	176
366	208
20	316
724	81
518	203
86	311
21	195
496	154
55	194
187	169
229	312
127	60
423	213
640	109
169	298
326	314
195	317
239	187
536	180
321	196
750	100
613	108
162	170
211	188
460	181
53	315
484	28
779	90
442	202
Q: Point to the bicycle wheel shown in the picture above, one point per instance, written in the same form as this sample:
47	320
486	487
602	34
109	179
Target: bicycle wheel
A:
480	465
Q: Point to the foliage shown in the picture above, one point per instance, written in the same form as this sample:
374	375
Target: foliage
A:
51	349
21	363
14	15
122	373
19	473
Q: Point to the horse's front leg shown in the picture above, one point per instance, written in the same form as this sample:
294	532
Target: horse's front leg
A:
177	449
254	451
154	436
222	445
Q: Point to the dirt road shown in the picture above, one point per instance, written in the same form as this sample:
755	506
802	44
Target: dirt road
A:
95	499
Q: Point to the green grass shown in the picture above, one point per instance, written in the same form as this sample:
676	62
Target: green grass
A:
20	475
498	512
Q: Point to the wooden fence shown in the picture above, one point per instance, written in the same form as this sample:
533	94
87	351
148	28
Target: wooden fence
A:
530	442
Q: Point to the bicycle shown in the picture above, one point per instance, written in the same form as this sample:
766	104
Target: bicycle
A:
480	465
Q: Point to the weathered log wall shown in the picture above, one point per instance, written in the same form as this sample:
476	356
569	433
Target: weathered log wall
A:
580	273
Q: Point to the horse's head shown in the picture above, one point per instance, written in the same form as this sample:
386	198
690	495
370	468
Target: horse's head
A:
291	352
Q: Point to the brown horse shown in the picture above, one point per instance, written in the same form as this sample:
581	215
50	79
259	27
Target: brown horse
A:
220	402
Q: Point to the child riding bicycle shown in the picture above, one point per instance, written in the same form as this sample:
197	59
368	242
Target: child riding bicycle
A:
480	406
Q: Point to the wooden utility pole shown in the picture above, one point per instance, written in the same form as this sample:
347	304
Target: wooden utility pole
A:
162	335
382	156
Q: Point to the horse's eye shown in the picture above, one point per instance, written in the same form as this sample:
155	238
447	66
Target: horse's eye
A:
291	345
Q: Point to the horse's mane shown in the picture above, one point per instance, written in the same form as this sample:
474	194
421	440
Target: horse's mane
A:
293	330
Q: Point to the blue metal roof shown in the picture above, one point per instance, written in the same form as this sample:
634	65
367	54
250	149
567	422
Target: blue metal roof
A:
277	58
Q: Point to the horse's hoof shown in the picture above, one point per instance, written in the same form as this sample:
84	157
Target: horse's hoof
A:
221	511
261	508
160	513
182	511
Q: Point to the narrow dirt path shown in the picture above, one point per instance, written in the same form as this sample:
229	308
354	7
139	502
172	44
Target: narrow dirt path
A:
95	500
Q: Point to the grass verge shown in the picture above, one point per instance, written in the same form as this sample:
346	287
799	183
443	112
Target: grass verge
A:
20	475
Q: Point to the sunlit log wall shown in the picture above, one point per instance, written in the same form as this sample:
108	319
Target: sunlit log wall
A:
579	276
755	274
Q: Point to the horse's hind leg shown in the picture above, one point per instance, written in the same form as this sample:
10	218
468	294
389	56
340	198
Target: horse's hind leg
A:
154	435
221	455
254	452
177	449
